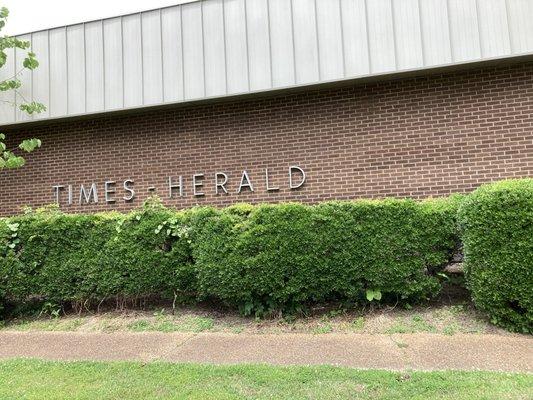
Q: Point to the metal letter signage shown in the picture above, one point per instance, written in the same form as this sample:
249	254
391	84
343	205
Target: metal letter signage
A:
197	185
292	170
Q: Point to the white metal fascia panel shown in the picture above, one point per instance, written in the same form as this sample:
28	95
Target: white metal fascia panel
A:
355	37
76	69
94	66
214	48
464	30
133	60
521	24
172	54
281	43
58	73
381	35
408	34
330	40
494	28
305	41
41	81
257	22
113	64
435	32
152	57
7	99
25	77
193	51
236	46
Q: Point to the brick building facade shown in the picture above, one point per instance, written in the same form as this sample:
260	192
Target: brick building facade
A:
413	137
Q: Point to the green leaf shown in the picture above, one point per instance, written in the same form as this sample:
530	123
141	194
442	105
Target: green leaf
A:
30	62
14	162
443	275
32	107
373	294
29	145
248	307
13	227
10	84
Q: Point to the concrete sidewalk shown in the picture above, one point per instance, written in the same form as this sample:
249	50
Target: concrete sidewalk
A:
396	352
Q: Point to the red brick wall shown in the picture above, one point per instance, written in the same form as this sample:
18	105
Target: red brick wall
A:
417	137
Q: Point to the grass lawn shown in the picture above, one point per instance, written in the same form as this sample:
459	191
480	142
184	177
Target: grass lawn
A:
34	379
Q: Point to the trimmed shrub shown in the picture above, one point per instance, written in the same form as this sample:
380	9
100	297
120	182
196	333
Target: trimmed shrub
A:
283	256
257	258
84	259
147	255
497	225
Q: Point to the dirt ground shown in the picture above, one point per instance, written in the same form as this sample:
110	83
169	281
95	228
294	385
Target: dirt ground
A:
450	314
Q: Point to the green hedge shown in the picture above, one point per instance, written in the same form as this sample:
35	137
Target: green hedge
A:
86	258
283	256
497	224
256	258
278	257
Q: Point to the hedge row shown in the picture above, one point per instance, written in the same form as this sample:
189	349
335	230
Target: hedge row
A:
256	258
497	226
280	257
283	256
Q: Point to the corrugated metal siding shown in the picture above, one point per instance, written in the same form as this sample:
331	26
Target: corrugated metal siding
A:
214	48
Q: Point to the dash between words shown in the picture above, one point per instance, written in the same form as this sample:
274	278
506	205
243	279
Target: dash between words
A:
217	183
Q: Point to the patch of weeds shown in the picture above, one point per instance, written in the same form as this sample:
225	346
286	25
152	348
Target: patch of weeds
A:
20	326
17	324
358	324
322	329
160	314
289	319
166	323
68	325
457	309
402	345
141	325
399	327
108	325
451	329
336	313
51	309
54	324
197	324
475	329
419	324
415	324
